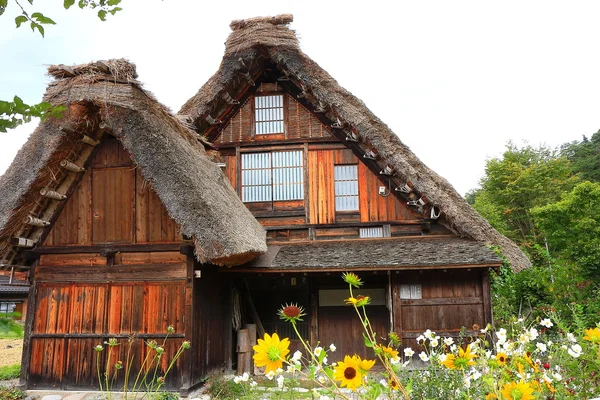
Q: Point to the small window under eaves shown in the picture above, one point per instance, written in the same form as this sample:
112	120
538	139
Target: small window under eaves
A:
371	232
268	114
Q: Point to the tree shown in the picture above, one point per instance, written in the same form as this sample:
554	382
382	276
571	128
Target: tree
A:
572	228
585	157
15	112
523	178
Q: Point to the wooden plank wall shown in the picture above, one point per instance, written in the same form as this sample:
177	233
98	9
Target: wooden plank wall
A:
299	122
71	318
451	299
112	204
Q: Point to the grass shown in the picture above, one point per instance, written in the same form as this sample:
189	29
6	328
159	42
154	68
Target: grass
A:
10	372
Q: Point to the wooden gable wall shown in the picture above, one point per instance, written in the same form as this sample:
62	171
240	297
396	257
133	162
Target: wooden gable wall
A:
322	151
112	204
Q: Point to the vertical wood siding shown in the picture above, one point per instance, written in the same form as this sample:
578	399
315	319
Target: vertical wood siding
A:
92	313
300	123
112	204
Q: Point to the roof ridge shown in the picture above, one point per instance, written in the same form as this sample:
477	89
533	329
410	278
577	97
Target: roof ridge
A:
281	19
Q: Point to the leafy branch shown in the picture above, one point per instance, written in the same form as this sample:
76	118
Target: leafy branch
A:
16	112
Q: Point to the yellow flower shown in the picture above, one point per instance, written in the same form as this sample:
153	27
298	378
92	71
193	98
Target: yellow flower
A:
593	335
271	352
358	301
388	352
348	372
365	365
490	396
463	360
517	391
502	358
394	384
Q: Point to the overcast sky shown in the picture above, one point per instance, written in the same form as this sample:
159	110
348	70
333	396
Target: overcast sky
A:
455	80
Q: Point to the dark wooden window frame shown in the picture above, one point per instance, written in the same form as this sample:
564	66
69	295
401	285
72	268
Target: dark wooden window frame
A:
270	136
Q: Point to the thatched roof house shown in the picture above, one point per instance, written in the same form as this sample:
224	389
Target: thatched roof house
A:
104	98
268	43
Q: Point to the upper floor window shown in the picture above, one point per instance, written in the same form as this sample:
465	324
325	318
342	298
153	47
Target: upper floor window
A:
268	114
346	187
276	176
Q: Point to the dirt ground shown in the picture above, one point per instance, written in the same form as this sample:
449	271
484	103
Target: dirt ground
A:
10	351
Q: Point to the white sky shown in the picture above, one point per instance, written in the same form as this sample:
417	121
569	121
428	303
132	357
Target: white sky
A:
454	79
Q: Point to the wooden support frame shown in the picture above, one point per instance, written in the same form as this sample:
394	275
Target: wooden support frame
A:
24	375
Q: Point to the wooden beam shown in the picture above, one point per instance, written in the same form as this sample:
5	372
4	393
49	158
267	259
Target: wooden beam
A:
122	248
255	317
487	299
369	268
31	304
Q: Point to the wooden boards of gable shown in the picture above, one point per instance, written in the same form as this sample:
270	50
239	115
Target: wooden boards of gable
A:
112	204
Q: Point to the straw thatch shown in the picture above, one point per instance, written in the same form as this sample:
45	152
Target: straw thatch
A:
259	42
106	96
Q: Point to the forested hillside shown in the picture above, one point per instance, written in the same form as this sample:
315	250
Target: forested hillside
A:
548	201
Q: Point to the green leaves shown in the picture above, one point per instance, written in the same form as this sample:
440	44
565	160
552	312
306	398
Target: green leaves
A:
3	5
68	4
20	19
16	112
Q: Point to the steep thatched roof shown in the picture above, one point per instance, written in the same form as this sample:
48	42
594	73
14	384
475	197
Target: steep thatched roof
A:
105	97
258	45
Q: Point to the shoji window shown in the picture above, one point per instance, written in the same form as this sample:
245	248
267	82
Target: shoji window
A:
276	176
268	114
346	187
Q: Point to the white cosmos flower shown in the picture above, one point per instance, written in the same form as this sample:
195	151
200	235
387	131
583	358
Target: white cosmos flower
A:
423	356
429	334
448	341
434	342
253	383
442	357
453	348
547	323
420	338
533	334
245	377
297	356
475	375
291	369
270	375
557	376
395	360
383	382
321	379
237	379
408	352
325	360
332	347
571	337
575	351
541	347
501	335
318	351
280	379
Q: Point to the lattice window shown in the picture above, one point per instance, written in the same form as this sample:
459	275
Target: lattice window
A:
7	307
268	114
276	176
411	291
373	232
346	187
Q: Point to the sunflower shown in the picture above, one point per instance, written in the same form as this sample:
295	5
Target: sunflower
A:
517	391
463	360
358	301
593	335
352	279
348	372
490	396
271	352
501	358
394	384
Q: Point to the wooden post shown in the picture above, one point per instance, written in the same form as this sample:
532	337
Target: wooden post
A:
244	351
252	336
26	355
487	302
396	306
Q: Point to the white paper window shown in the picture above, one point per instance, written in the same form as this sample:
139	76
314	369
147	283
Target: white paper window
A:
7	307
268	114
346	187
410	292
374	232
276	176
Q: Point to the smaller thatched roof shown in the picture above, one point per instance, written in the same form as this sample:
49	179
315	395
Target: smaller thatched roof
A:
257	43
389	254
105	97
